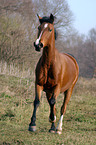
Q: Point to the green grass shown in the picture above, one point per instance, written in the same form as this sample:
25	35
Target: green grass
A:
16	105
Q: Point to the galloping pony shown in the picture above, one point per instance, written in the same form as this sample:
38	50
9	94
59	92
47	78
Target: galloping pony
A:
55	73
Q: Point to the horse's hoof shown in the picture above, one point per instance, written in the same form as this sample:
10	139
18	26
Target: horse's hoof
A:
58	132
52	131
32	128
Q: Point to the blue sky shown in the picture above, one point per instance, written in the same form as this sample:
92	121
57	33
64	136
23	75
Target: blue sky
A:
84	12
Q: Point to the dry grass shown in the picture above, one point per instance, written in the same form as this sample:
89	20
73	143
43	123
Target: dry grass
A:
16	98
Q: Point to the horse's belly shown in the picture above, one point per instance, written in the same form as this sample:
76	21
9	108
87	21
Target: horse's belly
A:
66	86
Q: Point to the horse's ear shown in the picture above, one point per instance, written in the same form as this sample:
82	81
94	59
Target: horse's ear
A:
39	17
52	17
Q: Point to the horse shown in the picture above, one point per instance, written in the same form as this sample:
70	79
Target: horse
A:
55	73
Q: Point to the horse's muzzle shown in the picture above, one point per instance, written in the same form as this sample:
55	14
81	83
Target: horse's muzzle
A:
38	47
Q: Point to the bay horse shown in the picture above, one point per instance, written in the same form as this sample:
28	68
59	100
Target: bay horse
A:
55	73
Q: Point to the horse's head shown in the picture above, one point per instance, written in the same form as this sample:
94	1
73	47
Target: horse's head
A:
45	31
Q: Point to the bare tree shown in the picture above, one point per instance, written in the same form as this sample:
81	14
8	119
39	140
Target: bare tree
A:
60	10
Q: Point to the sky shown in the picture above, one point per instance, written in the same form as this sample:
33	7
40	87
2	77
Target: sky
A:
84	12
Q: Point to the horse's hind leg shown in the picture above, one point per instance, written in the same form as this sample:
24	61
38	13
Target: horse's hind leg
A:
67	97
52	117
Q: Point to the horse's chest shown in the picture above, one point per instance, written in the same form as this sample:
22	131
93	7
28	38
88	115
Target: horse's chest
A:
51	81
46	78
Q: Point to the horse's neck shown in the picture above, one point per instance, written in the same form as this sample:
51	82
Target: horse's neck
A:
48	55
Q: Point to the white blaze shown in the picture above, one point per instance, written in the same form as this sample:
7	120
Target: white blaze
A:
37	41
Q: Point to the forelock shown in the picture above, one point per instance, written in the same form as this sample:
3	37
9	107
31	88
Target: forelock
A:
46	19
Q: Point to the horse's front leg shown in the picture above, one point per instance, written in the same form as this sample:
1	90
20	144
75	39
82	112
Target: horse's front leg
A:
38	90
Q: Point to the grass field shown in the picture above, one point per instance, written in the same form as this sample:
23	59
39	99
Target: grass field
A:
16	105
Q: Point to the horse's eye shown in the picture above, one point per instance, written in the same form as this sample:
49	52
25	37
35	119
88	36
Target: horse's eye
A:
50	30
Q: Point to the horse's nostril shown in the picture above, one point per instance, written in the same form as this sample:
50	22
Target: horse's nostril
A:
34	44
41	45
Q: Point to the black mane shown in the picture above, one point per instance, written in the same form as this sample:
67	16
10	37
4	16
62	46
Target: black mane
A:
56	33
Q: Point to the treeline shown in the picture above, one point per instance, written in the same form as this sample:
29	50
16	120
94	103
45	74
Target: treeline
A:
18	29
84	49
